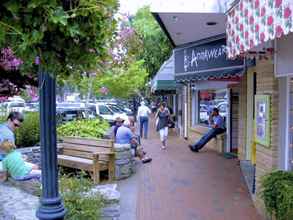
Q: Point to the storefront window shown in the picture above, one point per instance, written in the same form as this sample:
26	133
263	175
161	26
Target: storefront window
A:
209	99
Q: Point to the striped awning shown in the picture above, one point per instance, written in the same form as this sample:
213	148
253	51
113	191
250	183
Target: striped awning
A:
223	74
251	23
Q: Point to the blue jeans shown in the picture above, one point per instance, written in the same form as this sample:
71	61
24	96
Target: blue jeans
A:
143	125
207	137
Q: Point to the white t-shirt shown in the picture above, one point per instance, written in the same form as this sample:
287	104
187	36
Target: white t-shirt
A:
143	111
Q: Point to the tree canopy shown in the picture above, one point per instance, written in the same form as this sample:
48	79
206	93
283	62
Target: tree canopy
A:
66	37
156	46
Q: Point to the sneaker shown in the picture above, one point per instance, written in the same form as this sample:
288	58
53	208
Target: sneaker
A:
193	149
146	160
163	148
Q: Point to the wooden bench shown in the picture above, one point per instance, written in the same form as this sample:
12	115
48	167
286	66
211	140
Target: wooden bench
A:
217	143
92	155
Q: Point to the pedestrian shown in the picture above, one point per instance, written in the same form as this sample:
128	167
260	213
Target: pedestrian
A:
7	129
15	165
126	136
143	118
217	127
162	122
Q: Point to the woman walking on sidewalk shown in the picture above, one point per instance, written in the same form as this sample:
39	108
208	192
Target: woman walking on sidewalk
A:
162	119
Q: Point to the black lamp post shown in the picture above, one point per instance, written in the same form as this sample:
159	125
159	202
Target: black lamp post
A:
51	206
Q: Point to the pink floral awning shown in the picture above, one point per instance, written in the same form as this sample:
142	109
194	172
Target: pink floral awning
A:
253	22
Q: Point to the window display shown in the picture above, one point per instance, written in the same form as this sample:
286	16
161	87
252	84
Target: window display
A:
209	99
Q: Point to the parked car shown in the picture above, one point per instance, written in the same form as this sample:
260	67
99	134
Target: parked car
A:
13	106
106	112
31	107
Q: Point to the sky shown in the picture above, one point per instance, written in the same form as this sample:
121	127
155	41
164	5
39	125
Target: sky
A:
131	6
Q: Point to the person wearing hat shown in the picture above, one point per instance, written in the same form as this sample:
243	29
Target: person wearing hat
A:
143	118
111	133
124	135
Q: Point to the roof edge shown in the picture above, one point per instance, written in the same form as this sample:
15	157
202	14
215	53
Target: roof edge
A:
163	27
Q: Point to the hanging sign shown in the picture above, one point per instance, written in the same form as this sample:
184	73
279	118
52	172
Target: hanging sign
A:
204	57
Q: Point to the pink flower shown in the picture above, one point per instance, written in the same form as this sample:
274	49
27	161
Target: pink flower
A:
278	3
279	31
263	11
241	27
246	34
241	48
257	28
241	5
256	3
237	40
287	12
251	20
270	20
251	43
262	37
246	12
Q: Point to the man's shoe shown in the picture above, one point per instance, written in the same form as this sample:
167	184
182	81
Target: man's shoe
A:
193	149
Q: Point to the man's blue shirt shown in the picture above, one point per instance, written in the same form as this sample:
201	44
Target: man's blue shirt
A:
5	134
124	135
219	121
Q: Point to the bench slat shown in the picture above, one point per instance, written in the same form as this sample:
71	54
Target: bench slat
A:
105	143
84	148
75	162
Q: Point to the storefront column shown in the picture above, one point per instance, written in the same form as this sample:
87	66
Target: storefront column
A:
284	116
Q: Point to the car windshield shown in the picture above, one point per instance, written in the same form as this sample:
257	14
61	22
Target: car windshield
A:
116	109
16	105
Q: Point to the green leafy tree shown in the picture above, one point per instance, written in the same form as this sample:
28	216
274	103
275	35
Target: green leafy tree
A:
66	37
156	46
124	82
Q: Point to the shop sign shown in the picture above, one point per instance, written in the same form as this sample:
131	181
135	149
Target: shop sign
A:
262	120
203	57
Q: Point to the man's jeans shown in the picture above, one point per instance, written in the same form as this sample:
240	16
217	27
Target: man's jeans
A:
207	137
143	125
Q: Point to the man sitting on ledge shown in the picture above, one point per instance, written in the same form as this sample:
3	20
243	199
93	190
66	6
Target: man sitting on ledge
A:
218	127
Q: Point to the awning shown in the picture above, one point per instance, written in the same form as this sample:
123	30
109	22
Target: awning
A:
206	61
228	74
164	81
254	22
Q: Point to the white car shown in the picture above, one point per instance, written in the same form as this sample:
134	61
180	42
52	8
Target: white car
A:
14	106
105	111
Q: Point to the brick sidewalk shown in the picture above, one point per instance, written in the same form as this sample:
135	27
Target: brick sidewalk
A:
181	185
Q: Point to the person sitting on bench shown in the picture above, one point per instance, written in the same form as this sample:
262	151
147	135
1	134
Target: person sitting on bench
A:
217	127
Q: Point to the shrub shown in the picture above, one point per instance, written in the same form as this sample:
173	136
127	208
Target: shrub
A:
29	132
79	204
277	193
84	128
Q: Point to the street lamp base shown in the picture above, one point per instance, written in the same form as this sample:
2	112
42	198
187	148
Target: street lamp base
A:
51	209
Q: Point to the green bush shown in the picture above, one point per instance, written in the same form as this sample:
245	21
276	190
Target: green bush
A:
94	128
29	132
79	205
277	193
